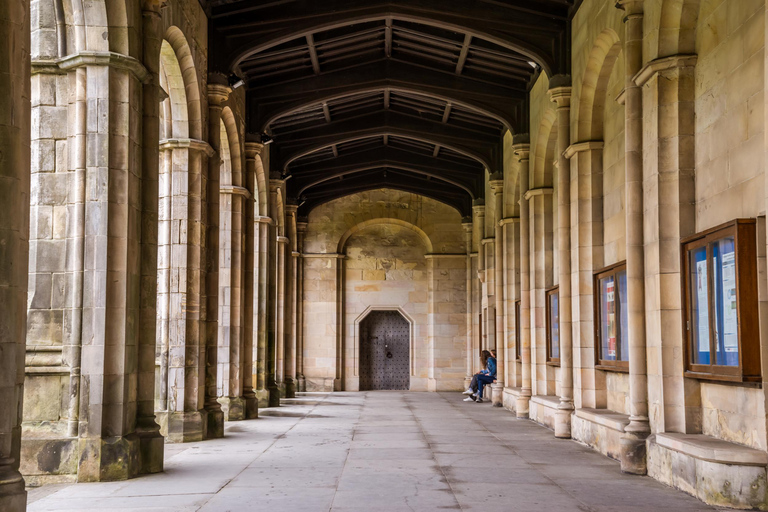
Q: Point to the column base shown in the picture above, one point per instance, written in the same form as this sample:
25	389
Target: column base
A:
522	407
274	397
232	407
109	459
563	422
152	449
251	406
634	457
497	394
301	384
290	388
214	422
183	427
13	496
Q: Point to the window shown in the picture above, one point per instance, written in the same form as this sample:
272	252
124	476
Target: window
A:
553	326
518	334
720	303
611	329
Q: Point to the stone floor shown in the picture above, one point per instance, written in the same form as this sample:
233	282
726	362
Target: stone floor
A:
377	451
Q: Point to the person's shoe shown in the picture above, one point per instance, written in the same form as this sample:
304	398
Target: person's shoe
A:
479	400
468	392
469	399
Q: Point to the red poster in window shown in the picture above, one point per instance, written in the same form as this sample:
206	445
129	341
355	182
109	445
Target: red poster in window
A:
610	316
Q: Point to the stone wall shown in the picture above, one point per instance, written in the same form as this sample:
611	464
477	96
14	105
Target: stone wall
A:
384	249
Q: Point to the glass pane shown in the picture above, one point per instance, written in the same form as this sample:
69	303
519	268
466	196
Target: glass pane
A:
699	306
554	325
726	316
624	317
608	329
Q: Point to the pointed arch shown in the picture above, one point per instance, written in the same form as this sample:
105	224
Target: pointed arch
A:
380	221
229	129
592	97
542	163
175	110
178	42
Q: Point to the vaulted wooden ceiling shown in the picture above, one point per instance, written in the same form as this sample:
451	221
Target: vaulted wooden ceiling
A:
414	95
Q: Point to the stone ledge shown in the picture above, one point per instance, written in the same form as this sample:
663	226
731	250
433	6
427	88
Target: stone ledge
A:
607	418
549	401
712	449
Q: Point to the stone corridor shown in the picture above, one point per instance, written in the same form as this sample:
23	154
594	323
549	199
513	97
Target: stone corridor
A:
377	451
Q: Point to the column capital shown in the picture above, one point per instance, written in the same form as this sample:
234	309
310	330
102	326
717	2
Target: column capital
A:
541	191
479	210
190	144
662	65
509	220
253	149
153	6
497	185
218	89
291	208
467	226
578	147
631	7
301	227
274	184
561	96
109	59
522	151
282	239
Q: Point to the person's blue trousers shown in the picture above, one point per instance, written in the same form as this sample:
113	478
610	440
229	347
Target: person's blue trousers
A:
482	380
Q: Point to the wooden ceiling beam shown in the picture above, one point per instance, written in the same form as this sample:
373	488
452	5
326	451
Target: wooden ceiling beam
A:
313	53
463	54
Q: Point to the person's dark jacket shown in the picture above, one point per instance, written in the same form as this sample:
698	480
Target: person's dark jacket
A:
491	365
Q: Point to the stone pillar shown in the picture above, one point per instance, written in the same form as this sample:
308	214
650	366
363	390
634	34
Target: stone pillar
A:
478	233
511	254
562	96
180	292
218	92
523	400
14	229
633	447
290	301
470	310
253	372
272	272
301	381
280	331
263	312
151	442
231	335
497	184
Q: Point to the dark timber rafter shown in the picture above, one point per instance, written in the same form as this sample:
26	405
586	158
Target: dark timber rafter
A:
411	94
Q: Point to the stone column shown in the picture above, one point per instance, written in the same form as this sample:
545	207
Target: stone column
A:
152	443
467	225
218	92
14	229
633	447
497	184
255	338
290	301
301	381
280	331
231	335
562	97
523	400
272	300
478	233
511	237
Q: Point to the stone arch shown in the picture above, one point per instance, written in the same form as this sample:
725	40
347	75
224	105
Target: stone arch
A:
542	165
384	220
178	42
280	213
592	97
678	21
174	112
262	189
229	128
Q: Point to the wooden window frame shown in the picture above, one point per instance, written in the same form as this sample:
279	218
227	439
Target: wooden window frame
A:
607	364
518	334
555	290
744	232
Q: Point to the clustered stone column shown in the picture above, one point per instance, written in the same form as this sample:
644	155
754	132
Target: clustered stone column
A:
218	92
301	381
290	301
524	398
470	309
497	184
562	96
14	229
633	447
272	299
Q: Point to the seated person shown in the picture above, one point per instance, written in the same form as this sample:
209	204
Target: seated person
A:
485	376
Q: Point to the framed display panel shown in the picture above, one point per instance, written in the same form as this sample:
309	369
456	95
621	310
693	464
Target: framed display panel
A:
553	326
611	319
518	334
720	310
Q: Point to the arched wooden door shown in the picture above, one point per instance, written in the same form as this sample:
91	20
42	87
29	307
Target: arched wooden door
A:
385	358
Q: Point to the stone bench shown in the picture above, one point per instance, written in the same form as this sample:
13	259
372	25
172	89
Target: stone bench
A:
543	409
600	429
717	472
